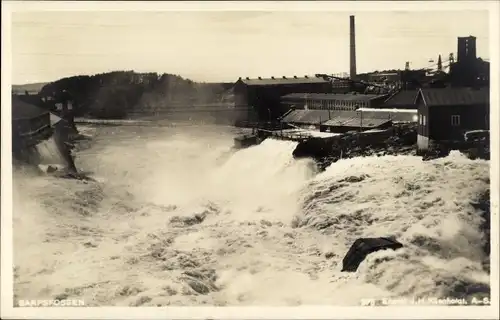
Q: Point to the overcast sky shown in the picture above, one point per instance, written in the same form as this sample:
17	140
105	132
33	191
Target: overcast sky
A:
222	46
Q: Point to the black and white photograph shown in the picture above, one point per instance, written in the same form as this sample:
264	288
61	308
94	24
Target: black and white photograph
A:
239	154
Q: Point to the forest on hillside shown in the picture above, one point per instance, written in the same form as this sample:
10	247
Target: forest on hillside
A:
115	94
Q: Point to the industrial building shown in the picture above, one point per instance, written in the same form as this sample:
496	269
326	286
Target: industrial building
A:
307	117
354	120
404	99
30	126
318	101
468	70
444	115
263	96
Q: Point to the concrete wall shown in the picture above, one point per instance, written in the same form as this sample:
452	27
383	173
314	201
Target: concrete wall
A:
422	143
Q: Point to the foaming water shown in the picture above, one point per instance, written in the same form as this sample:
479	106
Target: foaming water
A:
181	219
49	153
425	205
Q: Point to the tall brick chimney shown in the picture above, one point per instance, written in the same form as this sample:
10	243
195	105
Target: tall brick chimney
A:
352	46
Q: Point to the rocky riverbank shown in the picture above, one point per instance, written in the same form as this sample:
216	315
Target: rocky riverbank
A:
482	204
399	140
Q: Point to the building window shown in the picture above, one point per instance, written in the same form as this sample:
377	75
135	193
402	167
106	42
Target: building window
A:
420	119
455	120
423	121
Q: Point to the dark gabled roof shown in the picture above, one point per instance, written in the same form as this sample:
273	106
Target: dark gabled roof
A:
356	122
455	96
282	81
24	110
332	96
401	98
336	118
306	116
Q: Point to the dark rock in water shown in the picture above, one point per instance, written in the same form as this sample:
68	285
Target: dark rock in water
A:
188	221
363	247
329	255
436	152
51	169
197	218
354	179
90	244
316	148
61	296
200	281
401	140
75	176
483	205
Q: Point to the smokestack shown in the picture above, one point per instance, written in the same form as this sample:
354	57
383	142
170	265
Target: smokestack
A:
352	69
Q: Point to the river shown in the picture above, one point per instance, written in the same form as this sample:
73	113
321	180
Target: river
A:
178	218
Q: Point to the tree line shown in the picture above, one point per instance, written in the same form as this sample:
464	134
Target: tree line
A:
115	94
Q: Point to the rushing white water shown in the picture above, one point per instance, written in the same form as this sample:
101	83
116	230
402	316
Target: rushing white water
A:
180	219
49	154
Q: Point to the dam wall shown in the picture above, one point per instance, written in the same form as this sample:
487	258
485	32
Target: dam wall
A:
210	114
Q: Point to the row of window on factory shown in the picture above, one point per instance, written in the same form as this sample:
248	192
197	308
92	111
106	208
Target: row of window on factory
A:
335	104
